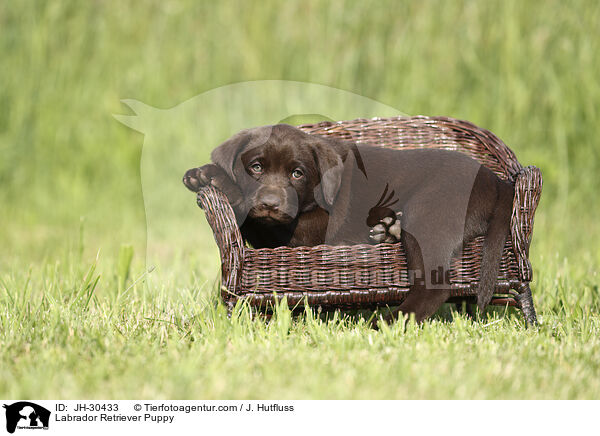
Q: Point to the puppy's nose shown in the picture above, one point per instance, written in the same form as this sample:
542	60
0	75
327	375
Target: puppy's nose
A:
271	200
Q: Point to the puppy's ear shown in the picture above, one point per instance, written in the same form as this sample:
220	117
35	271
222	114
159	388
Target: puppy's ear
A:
331	168
226	153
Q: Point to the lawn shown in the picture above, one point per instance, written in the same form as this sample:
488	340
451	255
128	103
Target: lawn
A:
103	294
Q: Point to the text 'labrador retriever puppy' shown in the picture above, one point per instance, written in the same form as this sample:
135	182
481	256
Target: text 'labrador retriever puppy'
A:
290	188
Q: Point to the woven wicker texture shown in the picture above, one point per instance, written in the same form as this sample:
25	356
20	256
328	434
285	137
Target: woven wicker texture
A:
365	276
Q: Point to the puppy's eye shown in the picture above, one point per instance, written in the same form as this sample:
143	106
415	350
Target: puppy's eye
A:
297	173
256	168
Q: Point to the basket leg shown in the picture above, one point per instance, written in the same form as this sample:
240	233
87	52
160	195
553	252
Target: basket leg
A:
464	307
526	304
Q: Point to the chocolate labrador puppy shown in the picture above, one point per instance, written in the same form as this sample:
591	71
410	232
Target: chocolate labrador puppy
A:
289	188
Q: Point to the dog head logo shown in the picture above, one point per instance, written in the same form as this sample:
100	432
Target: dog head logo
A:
26	415
183	137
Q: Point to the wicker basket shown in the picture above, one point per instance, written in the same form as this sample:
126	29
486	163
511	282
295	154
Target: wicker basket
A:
368	276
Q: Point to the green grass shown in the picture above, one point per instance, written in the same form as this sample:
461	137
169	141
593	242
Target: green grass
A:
85	337
80	312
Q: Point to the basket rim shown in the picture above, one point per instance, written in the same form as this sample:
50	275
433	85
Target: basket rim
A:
503	154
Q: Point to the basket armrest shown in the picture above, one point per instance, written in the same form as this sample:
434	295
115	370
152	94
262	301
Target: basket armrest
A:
221	218
528	188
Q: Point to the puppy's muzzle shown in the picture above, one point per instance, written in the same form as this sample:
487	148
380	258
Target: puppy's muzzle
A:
273	205
270	201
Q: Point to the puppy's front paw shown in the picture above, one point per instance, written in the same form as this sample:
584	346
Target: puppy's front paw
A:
387	228
213	175
197	178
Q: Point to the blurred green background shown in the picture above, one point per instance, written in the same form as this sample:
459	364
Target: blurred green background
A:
70	185
525	70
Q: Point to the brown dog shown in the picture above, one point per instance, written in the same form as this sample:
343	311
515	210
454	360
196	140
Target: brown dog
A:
291	188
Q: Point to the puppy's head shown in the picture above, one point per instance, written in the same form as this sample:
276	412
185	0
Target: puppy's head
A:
282	171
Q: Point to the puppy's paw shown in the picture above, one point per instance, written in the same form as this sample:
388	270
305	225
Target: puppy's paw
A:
194	179
386	228
213	175
197	178
383	221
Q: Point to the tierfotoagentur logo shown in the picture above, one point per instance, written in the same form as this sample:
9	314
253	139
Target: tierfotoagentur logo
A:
26	415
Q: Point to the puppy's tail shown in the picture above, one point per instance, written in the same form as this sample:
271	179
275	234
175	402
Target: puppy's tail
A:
493	244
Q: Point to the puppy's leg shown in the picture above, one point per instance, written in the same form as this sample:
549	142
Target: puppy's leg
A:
415	275
425	296
421	300
424	303
430	241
